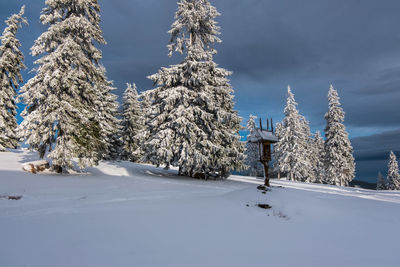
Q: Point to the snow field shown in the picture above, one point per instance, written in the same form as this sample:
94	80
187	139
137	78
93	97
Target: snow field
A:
124	214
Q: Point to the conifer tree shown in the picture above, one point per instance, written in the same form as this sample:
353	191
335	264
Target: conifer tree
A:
393	176
145	100
192	122
111	130
255	168
307	156
380	184
11	64
132	123
69	99
339	160
292	155
278	151
317	158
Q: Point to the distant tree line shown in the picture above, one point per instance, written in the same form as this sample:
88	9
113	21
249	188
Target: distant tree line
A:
306	157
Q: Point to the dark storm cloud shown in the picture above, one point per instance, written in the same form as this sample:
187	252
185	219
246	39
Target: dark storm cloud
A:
372	153
268	44
377	146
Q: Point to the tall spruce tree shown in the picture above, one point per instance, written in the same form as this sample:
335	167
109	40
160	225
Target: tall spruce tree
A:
192	121
339	160
292	152
317	157
68	100
11	64
132	123
254	166
381	183
393	176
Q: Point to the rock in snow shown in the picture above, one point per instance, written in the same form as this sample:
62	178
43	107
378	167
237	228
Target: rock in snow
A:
36	166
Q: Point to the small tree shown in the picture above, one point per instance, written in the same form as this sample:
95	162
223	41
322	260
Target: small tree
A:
308	157
110	124
393	176
381	183
132	123
339	160
292	154
252	161
11	64
278	153
317	157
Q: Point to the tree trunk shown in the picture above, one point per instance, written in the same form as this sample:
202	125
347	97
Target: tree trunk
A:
266	175
57	168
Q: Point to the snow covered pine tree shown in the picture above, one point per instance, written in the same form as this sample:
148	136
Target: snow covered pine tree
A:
380	184
317	158
11	64
110	125
132	123
192	123
339	160
292	152
255	168
67	102
393	176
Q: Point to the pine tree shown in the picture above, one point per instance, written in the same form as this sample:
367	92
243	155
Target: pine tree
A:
192	123
292	152
317	157
278	151
111	130
69	99
307	155
255	168
380	184
132	122
11	64
339	160
145	100
393	176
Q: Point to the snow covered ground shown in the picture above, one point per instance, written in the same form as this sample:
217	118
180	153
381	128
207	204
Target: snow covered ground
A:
124	214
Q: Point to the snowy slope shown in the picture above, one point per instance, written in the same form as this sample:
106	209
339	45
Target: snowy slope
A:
124	214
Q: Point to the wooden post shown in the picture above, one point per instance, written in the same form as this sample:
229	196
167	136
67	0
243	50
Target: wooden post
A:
266	157
266	175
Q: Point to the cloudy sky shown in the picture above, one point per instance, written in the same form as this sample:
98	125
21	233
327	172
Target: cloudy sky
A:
269	44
